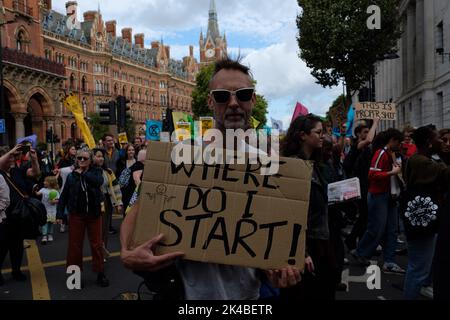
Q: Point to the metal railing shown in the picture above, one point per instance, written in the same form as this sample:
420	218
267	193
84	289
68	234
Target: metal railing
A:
28	60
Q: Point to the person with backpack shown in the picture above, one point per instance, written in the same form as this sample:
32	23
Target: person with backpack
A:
127	160
426	183
382	215
19	183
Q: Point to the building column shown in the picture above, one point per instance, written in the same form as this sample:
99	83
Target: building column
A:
20	127
419	63
429	43
411	30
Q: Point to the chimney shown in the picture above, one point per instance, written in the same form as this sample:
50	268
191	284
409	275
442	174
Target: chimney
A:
127	34
71	9
191	51
111	27
167	48
89	16
155	44
139	40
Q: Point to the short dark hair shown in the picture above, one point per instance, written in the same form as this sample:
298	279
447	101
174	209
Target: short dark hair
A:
423	135
393	134
227	63
360	128
107	135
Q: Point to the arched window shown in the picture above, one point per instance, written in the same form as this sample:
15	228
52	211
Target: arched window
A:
83	84
124	91
132	93
72	84
20	40
116	89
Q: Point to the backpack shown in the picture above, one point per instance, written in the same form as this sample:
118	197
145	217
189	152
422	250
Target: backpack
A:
124	178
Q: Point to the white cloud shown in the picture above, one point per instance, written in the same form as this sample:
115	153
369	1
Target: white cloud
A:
282	77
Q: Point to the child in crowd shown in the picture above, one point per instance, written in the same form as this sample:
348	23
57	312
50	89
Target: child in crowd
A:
50	196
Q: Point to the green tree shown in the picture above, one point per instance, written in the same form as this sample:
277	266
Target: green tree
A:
201	91
336	43
259	112
98	129
200	97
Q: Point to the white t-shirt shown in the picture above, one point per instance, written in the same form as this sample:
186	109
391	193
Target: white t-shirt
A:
64	173
51	208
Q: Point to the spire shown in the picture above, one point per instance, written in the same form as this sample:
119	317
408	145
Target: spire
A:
201	34
212	6
98	7
213	26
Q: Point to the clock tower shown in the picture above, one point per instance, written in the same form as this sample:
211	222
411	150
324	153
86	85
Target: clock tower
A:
212	47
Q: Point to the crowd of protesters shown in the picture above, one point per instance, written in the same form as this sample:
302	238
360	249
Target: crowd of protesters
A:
79	189
404	181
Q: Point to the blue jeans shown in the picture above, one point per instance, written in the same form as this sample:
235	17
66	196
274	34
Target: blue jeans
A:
382	225
420	259
47	228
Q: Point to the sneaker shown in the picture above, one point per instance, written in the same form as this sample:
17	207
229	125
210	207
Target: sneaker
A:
44	240
427	292
50	238
18	276
26	245
62	229
102	281
393	268
359	260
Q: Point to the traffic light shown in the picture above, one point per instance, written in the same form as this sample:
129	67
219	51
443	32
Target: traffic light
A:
122	111
51	137
108	113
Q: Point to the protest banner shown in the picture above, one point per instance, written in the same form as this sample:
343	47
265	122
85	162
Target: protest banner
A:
375	110
153	130
225	214
344	190
123	139
183	130
206	124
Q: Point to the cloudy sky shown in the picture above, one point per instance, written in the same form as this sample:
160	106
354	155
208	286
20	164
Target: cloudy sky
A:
263	31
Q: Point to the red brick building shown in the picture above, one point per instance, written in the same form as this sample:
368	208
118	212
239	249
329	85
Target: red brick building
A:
48	52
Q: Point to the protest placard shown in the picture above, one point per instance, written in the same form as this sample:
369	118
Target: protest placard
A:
344	190
206	124
226	214
375	110
183	130
153	130
123	138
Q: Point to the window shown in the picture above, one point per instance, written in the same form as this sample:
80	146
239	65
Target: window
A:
20	41
440	36
83	84
440	110
72	84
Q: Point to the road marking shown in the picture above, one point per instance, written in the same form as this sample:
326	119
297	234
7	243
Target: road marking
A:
59	263
381	298
39	283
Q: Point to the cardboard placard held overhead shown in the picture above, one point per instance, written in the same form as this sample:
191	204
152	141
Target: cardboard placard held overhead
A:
225	214
375	110
123	138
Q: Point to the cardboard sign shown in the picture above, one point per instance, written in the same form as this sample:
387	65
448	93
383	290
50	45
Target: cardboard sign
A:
345	190
123	138
375	110
183	130
225	214
153	130
206	124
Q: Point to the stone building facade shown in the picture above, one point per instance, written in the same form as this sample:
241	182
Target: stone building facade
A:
47	54
419	80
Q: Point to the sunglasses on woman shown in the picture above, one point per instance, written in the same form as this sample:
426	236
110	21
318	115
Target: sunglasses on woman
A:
82	158
224	96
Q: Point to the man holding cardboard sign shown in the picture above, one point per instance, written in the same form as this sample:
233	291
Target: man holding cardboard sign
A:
226	220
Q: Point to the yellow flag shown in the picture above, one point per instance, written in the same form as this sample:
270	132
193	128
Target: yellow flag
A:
71	102
254	123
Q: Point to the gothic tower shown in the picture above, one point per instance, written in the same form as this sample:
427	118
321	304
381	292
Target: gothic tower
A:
213	47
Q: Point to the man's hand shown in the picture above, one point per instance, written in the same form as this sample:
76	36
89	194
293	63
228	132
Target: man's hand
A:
284	278
142	258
